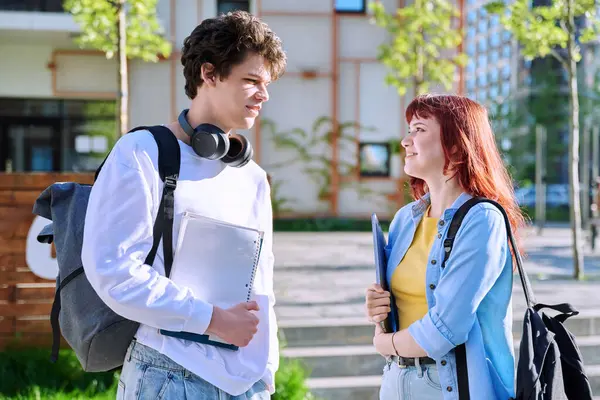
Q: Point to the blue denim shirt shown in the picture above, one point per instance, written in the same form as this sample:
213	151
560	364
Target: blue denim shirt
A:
469	300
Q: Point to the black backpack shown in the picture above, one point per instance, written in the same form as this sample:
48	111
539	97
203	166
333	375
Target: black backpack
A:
550	365
98	335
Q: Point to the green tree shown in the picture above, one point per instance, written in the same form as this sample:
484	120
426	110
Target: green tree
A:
126	28
551	30
515	118
421	34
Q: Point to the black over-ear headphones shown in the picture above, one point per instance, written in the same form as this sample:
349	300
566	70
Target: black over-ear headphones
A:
208	141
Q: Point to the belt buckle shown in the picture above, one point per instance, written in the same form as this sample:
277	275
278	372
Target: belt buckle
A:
400	365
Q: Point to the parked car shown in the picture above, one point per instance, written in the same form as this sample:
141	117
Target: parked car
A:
557	195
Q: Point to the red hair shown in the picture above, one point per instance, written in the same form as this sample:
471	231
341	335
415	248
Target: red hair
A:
470	151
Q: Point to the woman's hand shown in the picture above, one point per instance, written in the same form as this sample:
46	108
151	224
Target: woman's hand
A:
383	342
377	303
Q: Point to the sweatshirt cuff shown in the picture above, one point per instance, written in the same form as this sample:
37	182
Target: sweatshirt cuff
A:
200	317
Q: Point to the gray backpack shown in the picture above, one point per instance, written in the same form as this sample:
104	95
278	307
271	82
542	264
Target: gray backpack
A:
98	335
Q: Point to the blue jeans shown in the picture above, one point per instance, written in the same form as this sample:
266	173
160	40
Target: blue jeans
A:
150	375
410	383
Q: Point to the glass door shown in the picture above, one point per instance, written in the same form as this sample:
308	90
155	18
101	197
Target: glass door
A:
29	145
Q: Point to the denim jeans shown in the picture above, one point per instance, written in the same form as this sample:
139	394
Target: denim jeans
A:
410	383
150	375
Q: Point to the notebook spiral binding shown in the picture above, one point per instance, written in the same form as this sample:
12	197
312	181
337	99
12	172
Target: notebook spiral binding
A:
254	267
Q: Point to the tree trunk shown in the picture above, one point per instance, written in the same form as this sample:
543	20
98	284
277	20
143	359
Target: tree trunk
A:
123	97
574	190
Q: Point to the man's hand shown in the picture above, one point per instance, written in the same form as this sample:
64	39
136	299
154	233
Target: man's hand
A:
236	325
378	303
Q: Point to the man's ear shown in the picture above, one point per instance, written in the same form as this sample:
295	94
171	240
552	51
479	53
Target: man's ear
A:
208	74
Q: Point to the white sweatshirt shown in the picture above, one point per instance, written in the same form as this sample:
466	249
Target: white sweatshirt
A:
118	236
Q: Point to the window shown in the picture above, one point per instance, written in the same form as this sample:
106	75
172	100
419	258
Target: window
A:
471	32
495	40
223	7
471	48
506	71
482	61
493	75
482	26
32	5
350	6
494	57
472	17
471	68
482	80
470	85
55	135
505	89
494	21
374	159
494	92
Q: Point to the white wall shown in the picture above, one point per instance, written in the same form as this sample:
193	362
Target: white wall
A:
307	41
311	6
81	73
295	103
23	71
150	93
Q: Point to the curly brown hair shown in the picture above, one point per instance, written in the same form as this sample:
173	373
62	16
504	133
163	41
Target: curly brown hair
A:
225	41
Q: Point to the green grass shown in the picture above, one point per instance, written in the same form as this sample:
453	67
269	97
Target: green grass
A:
35	393
29	375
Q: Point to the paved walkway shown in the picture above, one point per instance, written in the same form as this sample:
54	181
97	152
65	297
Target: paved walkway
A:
324	275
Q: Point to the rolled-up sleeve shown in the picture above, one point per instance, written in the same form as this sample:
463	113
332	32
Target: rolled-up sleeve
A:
478	257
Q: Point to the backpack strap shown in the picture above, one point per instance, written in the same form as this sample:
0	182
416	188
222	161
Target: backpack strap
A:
461	351
169	160
462	372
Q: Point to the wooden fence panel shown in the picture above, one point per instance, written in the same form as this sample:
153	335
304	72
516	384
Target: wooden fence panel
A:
25	298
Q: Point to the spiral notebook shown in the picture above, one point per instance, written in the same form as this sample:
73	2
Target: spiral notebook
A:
217	261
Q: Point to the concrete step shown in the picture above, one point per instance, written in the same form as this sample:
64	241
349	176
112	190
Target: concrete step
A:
367	387
346	387
357	330
363	360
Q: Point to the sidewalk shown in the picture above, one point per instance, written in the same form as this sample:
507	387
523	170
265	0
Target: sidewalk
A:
324	274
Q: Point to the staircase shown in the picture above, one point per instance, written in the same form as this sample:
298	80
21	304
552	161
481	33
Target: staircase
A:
320	279
343	364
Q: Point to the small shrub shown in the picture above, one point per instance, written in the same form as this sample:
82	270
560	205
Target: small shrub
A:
29	374
291	381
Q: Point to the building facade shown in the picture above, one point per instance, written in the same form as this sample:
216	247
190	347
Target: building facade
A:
56	100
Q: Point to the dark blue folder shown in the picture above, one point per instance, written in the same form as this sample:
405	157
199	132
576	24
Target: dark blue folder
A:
198	338
390	324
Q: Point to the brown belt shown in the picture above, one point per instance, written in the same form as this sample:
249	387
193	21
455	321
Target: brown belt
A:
411	361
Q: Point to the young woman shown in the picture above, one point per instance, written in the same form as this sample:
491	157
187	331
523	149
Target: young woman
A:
451	156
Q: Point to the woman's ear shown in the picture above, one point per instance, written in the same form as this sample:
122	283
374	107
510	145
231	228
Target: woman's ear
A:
453	150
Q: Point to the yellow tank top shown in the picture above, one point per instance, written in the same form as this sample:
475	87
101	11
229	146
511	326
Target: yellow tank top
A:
408	280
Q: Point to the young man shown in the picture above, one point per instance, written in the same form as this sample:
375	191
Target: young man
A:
228	62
